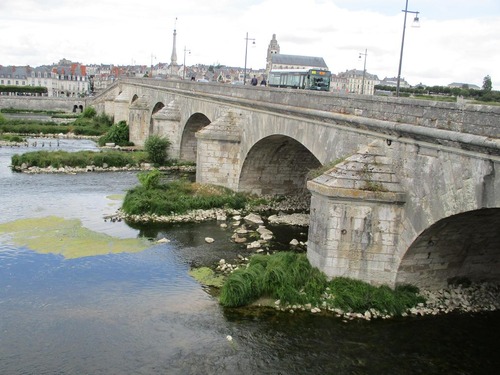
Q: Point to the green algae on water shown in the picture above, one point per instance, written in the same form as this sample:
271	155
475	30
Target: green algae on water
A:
116	197
67	237
206	276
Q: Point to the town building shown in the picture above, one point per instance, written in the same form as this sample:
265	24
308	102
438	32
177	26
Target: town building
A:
354	81
64	79
458	85
393	82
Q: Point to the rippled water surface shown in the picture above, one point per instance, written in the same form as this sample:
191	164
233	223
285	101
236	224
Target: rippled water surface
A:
141	313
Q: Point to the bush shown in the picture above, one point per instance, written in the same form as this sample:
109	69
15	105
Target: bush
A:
358	296
149	180
117	134
157	149
89	112
288	276
179	197
81	159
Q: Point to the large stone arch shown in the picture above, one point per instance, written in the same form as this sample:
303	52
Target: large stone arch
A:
277	164
466	245
196	122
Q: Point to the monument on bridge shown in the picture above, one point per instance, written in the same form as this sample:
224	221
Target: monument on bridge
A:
173	70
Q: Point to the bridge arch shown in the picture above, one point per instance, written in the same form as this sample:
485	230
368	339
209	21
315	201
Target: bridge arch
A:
465	245
158	106
196	122
277	164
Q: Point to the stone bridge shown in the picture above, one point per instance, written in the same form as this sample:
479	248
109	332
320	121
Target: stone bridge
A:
411	192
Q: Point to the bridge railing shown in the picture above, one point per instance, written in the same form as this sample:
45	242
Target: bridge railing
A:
480	120
457	125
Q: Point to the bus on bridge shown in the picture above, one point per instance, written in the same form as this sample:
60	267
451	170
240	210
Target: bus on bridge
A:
307	79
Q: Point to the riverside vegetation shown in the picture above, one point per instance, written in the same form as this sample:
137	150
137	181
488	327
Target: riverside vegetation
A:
284	275
289	278
88	123
282	279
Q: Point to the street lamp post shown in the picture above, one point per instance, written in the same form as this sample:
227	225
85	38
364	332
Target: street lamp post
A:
364	71
152	57
415	24
246	52
184	70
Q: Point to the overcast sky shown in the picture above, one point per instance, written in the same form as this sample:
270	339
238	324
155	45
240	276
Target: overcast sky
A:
458	40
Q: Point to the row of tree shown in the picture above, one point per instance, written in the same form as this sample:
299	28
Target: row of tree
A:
23	89
486	94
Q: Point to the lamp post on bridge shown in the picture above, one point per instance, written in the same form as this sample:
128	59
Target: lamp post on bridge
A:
415	24
184	69
364	71
246	52
152	57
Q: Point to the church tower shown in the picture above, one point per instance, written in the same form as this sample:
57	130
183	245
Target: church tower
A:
273	49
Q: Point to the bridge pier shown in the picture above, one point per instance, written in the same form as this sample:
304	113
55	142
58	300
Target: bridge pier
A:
218	150
119	106
166	123
355	219
139	121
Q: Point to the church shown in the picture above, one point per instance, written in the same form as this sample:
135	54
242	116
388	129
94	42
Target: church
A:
275	60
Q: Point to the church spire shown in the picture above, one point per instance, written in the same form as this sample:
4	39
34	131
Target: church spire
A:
173	59
273	49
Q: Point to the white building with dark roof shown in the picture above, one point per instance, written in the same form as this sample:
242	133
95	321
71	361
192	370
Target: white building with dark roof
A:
63	79
355	81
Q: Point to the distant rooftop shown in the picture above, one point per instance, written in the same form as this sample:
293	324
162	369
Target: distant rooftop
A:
311	61
462	85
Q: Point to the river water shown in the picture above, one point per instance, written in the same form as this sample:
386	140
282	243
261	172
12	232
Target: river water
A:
141	313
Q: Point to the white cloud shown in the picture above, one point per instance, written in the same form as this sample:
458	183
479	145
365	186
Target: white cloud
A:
457	41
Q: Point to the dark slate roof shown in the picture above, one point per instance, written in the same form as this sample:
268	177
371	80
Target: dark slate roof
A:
299	60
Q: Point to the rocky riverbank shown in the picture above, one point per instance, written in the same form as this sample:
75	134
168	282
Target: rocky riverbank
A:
251	231
105	168
472	299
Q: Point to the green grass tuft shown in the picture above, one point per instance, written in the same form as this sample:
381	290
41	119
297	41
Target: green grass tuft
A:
179	197
289	277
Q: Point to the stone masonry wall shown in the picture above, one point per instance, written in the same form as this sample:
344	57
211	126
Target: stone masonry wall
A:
41	103
460	117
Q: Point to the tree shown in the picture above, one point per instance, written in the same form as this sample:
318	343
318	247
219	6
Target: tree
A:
487	85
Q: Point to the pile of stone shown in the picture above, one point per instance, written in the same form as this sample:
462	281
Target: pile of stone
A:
191	216
472	299
104	168
296	219
250	230
227	268
285	204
